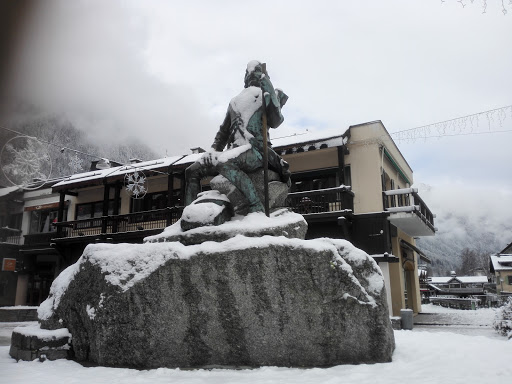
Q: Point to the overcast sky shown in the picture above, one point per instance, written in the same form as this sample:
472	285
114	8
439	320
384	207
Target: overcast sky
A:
163	72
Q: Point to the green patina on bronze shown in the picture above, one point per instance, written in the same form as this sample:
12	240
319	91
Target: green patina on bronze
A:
241	126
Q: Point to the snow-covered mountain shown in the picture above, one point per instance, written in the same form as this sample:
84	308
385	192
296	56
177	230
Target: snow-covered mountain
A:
471	217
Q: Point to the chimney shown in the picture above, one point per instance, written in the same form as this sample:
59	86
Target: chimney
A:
197	150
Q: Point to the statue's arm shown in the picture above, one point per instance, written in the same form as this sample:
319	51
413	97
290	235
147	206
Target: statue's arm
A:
273	102
222	136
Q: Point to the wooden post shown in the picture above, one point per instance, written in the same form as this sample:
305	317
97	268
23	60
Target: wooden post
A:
106	196
60	212
265	153
117	202
170	195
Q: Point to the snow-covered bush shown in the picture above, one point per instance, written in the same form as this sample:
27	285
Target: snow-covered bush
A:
503	319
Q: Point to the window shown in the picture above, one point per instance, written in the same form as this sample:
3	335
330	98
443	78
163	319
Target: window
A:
509	278
41	221
15	220
313	183
150	202
92	210
347	175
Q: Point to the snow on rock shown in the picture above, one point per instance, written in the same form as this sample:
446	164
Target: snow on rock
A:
124	265
43	334
280	296
252	223
57	289
204	213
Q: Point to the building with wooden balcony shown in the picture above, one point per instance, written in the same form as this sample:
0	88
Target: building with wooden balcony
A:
10	238
355	186
358	186
459	286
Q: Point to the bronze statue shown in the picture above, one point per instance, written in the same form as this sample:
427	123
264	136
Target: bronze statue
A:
241	134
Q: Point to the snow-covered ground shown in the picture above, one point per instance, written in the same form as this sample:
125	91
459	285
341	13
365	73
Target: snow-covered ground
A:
7	328
423	355
435	318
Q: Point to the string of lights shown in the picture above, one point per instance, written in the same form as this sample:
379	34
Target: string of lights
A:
27	164
62	148
504	9
459	126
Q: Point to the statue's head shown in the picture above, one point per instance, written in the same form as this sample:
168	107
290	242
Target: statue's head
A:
253	73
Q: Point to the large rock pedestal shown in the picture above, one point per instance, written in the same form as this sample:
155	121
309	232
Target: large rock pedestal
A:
244	302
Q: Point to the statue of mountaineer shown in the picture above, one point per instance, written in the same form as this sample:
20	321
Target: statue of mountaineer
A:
241	133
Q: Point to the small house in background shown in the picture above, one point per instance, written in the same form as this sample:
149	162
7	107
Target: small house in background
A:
501	268
460	286
465	292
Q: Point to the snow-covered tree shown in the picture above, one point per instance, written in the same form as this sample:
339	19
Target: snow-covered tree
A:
503	320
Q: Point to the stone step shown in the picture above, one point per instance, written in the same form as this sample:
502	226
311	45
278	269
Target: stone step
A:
16	315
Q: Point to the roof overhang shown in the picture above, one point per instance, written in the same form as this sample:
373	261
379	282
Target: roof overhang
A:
415	249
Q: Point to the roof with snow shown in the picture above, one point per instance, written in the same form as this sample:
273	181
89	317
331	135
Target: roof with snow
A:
96	177
507	250
309	138
460	279
8	190
501	263
188	159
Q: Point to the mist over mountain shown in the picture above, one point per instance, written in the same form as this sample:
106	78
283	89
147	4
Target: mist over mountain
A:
467	217
66	149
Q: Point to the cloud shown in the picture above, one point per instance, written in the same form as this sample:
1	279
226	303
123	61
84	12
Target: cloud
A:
89	65
163	72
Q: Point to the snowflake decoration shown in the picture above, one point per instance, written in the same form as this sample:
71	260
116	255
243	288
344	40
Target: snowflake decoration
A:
135	184
23	160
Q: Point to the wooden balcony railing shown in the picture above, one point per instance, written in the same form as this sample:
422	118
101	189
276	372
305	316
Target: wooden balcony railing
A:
322	200
10	235
10	239
43	238
132	222
408	200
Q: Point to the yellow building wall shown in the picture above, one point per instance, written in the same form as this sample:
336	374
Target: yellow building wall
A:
312	160
365	177
503	286
367	162
400	278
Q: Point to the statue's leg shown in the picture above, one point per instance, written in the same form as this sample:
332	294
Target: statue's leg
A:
277	163
234	170
193	176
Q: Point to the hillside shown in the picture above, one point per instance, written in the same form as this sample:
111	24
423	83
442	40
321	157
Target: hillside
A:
52	146
466	217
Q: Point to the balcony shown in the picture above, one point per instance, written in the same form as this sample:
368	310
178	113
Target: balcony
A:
10	236
409	212
39	239
129	223
323	202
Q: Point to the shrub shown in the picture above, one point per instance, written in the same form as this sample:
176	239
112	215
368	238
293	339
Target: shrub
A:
503	319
